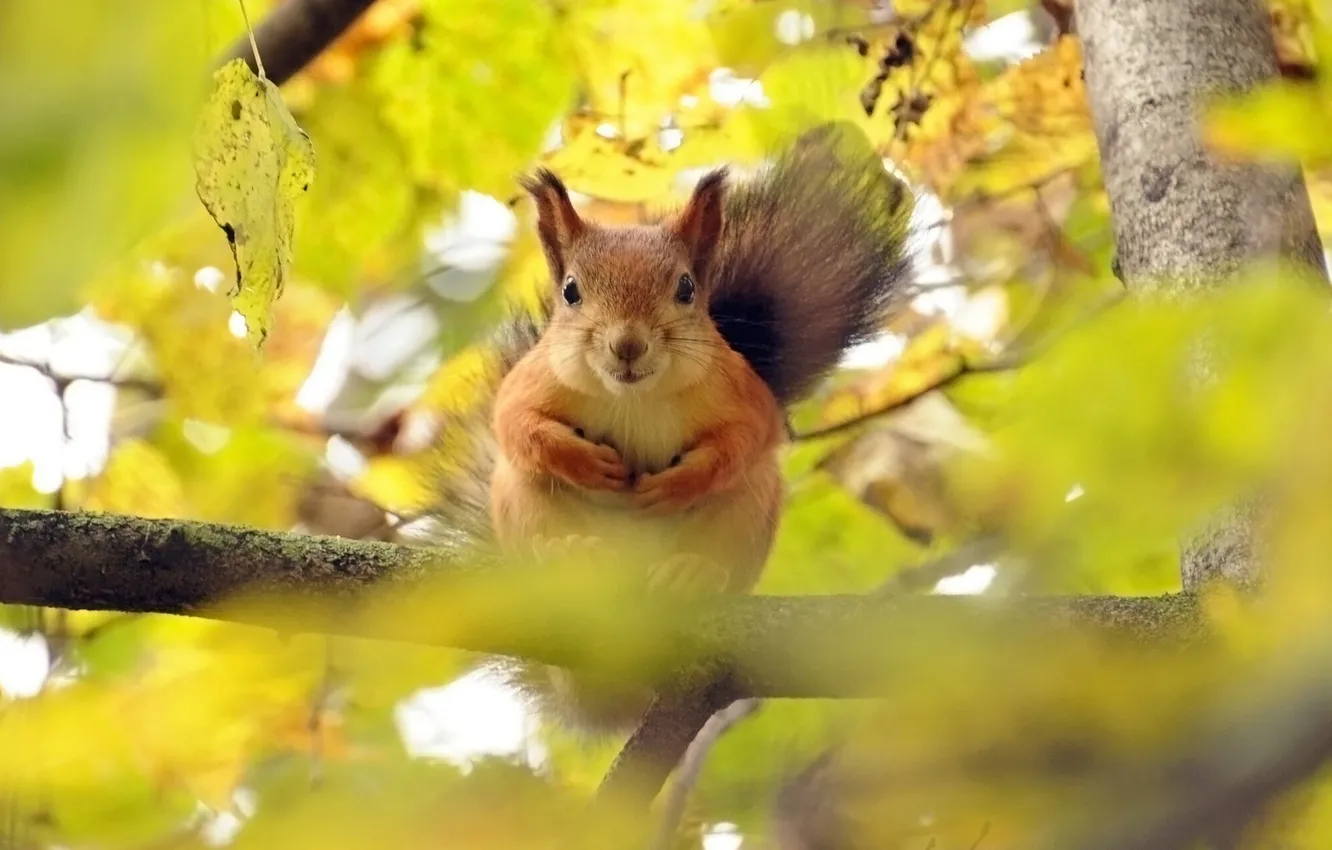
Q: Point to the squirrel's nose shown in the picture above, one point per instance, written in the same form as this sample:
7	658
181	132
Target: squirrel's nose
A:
628	346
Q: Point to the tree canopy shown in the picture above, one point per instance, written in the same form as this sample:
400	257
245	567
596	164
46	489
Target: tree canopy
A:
256	296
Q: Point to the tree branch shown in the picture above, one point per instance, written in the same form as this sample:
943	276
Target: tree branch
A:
770	645
667	729
62	381
295	33
962	368
691	767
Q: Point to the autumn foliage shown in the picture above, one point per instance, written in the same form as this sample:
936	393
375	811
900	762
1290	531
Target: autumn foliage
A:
227	234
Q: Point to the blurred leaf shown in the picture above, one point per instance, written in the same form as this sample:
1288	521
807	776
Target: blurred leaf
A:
138	480
476	92
253	161
749	34
383	21
1142	434
1292	29
179	728
414	804
1283	120
380	673
97	100
899	467
362	218
746	765
250	475
803	89
829	542
207	372
17	490
631	82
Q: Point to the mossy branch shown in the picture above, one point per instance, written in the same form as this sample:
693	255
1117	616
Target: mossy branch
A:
771	646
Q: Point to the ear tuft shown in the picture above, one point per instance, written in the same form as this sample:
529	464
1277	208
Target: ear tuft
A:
558	223
699	225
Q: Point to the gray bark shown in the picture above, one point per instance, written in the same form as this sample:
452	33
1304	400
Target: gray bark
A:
1183	220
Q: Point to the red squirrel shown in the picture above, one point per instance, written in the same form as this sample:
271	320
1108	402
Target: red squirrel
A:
632	421
645	409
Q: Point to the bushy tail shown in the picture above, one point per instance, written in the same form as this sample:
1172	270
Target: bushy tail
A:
811	258
812	255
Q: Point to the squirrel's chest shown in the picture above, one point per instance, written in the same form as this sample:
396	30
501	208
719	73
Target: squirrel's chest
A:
648	436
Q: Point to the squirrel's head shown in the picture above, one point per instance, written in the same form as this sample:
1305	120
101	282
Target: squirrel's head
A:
631	312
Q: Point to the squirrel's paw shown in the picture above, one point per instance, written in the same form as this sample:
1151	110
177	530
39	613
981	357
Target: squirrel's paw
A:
669	491
687	573
597	467
569	546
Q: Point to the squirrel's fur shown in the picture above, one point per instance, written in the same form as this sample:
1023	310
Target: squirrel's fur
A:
793	266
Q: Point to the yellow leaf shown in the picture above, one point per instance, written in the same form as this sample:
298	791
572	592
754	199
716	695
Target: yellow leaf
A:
1284	120
749	34
476	92
899	468
139	480
806	88
97	100
252	162
931	357
637	58
254	477
1291	22
207	373
608	168
399	484
380	673
16	490
362	218
1022	128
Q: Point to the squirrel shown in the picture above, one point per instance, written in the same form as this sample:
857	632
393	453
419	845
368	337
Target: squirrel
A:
643	405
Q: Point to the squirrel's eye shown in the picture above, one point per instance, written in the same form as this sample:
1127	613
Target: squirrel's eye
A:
570	292
684	290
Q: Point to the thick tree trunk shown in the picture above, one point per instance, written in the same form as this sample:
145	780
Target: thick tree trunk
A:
1184	220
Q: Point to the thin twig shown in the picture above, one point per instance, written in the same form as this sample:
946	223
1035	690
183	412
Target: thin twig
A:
691	766
62	381
662	738
960	370
1003	363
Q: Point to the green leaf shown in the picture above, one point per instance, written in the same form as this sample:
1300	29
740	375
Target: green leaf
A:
363	217
475	98
252	162
831	542
97	99
748	763
805	88
749	35
17	490
131	810
1284	120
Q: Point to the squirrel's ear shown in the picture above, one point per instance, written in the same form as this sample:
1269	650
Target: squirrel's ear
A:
699	225
557	220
